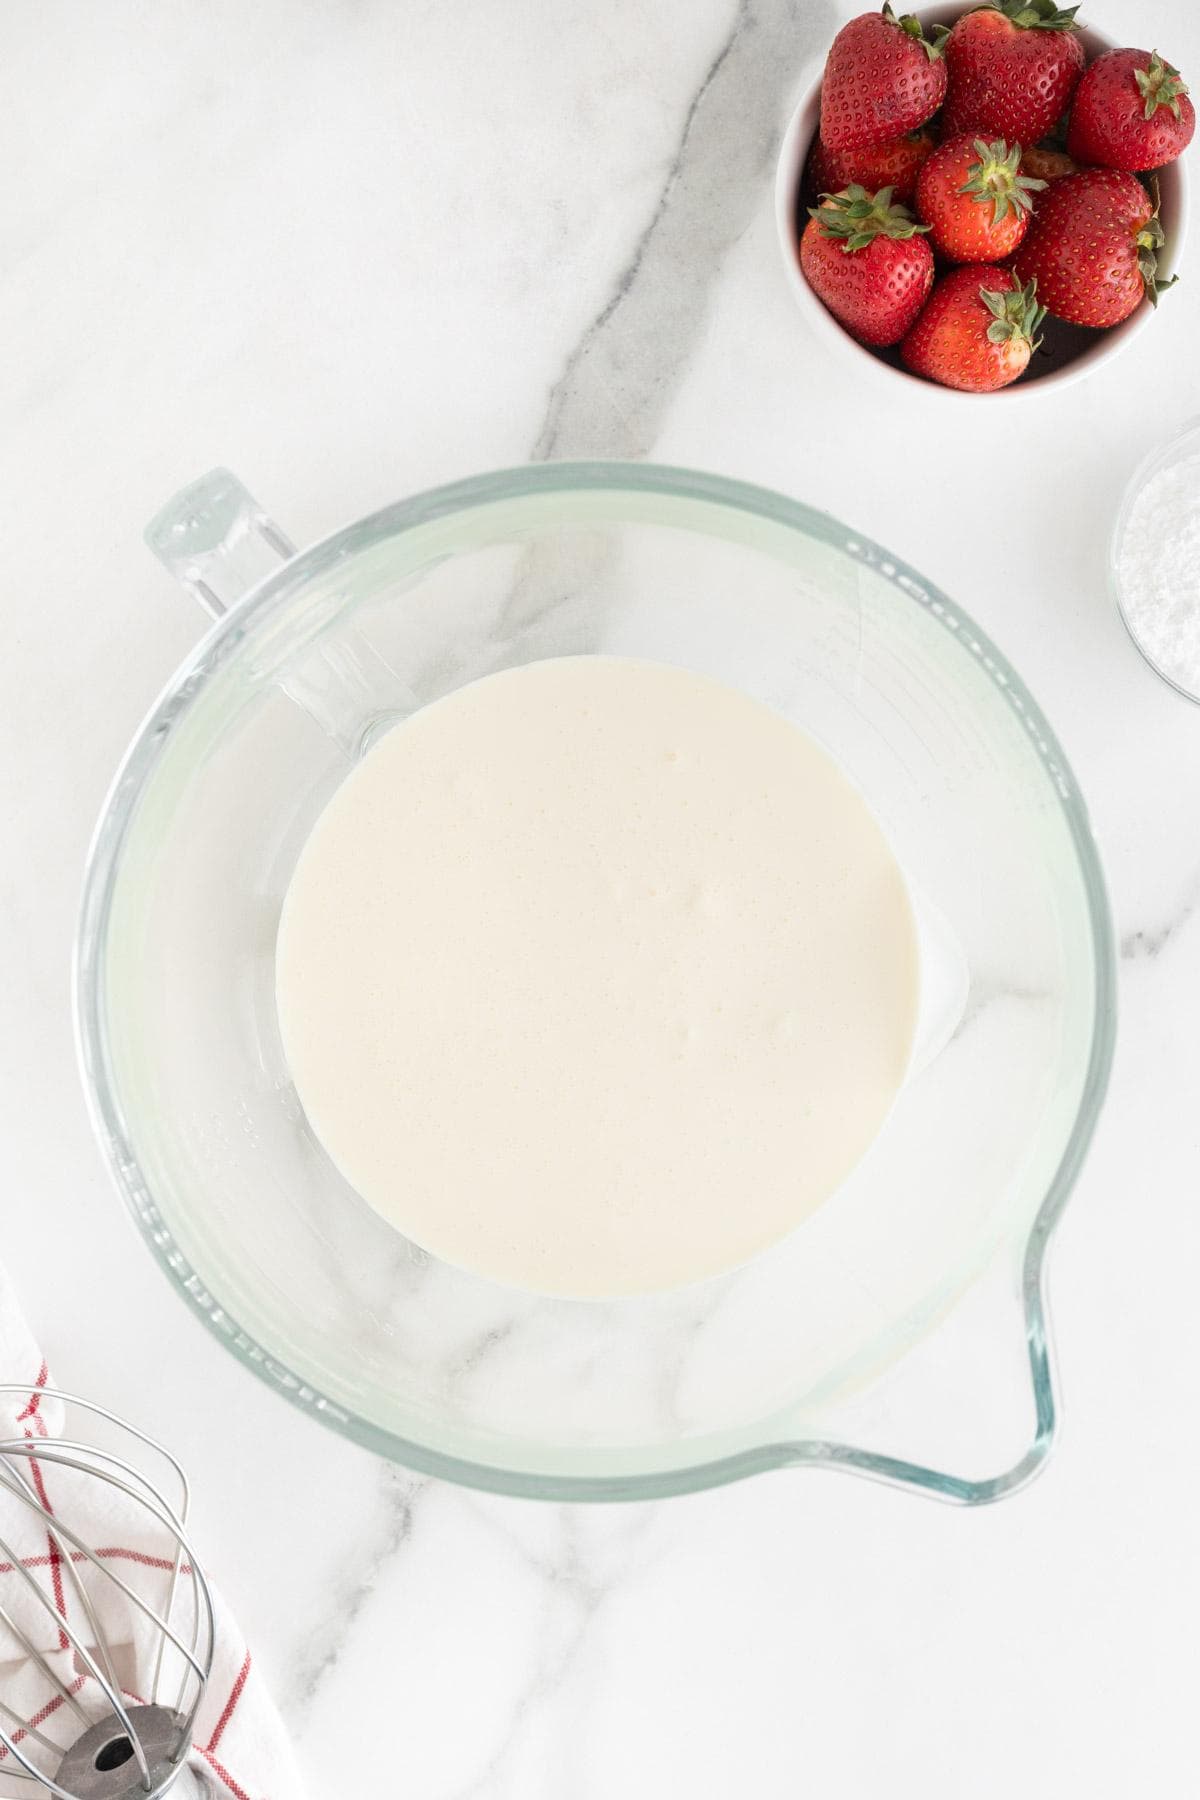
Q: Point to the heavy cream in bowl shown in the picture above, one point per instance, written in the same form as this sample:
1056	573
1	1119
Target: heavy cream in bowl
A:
596	977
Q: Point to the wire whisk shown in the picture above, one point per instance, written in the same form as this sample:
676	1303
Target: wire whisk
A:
77	1617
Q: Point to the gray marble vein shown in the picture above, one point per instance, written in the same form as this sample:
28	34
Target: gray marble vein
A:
399	1494
1149	941
986	991
621	376
576	1589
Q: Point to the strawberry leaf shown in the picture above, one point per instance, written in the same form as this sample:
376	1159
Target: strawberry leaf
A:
1015	314
994	177
858	218
1151	239
1037	15
911	26
1159	85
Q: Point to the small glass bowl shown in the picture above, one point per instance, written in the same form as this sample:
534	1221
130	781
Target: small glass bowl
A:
1178	447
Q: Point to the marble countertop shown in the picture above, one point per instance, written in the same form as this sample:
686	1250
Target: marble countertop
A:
352	250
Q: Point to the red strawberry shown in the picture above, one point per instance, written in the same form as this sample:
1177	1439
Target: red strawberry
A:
894	164
975	203
883	77
1131	111
977	332
1092	247
865	260
1012	69
1047	164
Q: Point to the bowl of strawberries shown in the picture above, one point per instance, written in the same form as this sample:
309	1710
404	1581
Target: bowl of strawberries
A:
986	198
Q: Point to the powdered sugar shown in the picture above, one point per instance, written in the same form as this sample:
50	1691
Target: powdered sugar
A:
1158	569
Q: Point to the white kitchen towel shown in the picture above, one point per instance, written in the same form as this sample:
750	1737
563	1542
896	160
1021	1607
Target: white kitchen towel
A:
239	1747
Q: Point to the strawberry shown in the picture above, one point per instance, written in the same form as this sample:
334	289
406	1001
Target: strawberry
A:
883	77
1012	69
977	332
894	164
975	203
1046	163
866	261
1092	247
1131	111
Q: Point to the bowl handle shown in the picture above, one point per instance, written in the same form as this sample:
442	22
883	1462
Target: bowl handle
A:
220	544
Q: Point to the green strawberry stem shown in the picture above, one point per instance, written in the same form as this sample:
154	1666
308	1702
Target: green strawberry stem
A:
859	218
1037	15
1015	314
1150	240
1160	85
994	177
911	25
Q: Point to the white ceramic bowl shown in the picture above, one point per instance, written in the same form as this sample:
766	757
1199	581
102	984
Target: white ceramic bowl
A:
1075	352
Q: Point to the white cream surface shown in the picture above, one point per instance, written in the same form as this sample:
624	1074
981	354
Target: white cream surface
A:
596	977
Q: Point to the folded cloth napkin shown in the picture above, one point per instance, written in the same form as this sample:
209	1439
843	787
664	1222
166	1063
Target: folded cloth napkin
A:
239	1748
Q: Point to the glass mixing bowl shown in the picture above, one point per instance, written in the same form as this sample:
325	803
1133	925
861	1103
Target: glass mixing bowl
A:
900	1330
